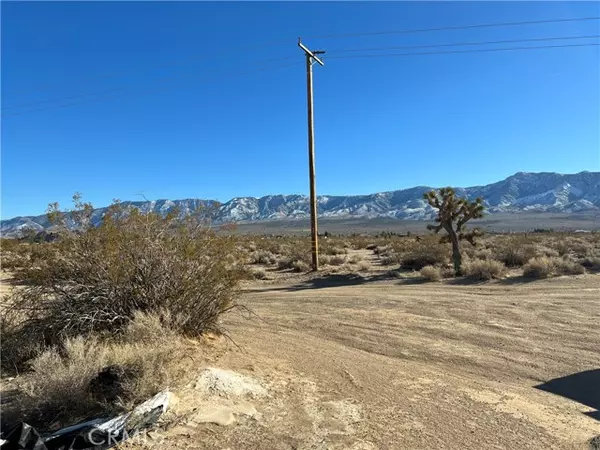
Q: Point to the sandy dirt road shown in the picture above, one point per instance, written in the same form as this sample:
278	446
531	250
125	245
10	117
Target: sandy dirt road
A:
386	365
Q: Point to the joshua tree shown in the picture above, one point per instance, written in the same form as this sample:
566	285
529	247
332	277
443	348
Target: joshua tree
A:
453	214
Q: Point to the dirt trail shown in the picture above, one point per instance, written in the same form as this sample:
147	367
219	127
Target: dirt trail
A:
386	365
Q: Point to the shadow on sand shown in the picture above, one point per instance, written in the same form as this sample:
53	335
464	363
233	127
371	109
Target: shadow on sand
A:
334	280
582	387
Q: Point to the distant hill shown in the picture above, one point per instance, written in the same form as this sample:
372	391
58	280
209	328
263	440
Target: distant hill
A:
523	192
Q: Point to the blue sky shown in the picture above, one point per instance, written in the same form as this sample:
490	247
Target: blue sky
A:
174	117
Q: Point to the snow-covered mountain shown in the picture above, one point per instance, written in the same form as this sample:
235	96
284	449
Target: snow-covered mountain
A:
531	192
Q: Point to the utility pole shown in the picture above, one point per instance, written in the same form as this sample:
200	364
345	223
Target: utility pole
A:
310	58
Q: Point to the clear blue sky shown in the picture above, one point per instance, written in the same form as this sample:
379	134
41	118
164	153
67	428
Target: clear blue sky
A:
177	120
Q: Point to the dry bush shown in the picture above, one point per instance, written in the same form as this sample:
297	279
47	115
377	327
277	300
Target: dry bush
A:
447	272
259	274
573	246
96	279
591	263
296	262
57	391
300	266
263	257
515	254
544	267
427	254
485	269
389	258
363	266
329	249
337	260
355	259
542	250
431	273
567	267
382	249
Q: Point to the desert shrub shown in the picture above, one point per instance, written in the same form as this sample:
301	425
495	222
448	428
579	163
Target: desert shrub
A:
300	266
389	258
484	253
567	267
544	267
572	246
427	254
294	261
332	250
96	279
485	269
363	266
447	272
515	254
542	250
264	257
259	274
58	390
431	273
382	249
355	259
337	260
591	262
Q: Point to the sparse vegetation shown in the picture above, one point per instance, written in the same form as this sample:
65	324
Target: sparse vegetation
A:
431	273
453	214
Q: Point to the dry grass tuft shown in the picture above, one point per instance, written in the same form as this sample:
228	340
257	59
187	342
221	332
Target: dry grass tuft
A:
337	260
355	259
300	266
431	273
57	391
363	266
259	274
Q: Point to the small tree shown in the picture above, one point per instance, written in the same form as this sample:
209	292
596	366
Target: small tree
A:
453	214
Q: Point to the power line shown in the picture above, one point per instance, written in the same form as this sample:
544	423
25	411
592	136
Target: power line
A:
150	91
332	57
406	47
448	28
381	55
183	62
115	89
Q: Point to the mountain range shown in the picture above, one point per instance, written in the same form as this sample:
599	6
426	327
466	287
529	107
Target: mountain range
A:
522	192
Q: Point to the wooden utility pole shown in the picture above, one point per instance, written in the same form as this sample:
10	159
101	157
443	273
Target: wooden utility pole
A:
310	58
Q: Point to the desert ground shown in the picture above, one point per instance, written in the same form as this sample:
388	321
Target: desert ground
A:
378	359
348	363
